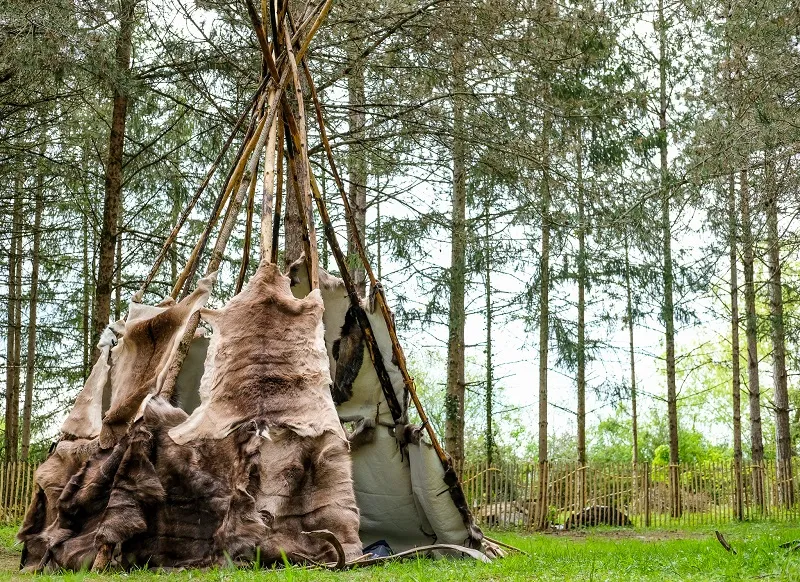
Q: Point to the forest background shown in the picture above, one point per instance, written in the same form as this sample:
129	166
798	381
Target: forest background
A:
585	213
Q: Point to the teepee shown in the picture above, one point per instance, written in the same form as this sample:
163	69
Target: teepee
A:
283	434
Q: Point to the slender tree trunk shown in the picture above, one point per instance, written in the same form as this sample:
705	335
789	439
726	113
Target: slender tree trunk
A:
357	171
751	331
378	235
18	334
10	437
173	253
113	174
581	348
736	387
631	353
87	268
632	358
487	277
30	361
454	399
668	310
782	427
544	321
87	299
118	268
581	380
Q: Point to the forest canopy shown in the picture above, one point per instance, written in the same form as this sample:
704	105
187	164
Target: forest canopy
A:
585	214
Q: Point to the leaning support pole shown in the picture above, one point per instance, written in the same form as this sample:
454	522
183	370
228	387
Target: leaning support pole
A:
246	163
188	210
248	234
397	349
268	194
276	220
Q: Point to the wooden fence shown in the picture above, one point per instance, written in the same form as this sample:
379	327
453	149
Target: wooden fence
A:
506	495
16	489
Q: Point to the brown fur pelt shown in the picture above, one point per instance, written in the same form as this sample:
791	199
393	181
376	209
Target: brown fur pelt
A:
348	351
262	460
140	361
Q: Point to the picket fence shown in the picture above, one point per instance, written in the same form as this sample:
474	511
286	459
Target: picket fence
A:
505	495
16	489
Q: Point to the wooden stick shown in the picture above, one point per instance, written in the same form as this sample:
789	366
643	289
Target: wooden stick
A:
189	270
276	222
397	350
302	168
248	233
268	193
369	336
308	249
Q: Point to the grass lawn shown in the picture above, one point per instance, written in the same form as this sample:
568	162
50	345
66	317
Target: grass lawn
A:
598	555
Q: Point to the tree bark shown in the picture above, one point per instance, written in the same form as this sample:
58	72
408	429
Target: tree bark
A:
118	269
736	387
581	356
10	434
113	173
487	249
173	252
783	436
631	354
86	319
544	320
668	308
751	331
357	171
30	360
454	398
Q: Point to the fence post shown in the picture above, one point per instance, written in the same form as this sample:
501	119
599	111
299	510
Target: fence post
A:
646	494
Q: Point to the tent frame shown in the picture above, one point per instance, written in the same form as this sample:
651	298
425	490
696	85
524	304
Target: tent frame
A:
271	118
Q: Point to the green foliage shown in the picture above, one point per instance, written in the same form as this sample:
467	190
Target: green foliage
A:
692	554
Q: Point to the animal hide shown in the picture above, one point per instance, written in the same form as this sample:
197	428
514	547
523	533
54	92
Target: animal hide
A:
140	360
262	460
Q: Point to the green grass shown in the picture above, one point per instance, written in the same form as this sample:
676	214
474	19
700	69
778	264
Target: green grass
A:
598	555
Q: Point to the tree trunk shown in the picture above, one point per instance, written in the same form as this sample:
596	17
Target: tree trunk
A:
544	321
632	354
173	252
735	355
10	435
581	380
487	249
18	333
118	267
751	331
783	437
454	399
113	174
86	319
30	360
668	311
357	172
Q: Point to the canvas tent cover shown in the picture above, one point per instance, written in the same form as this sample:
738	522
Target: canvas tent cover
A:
247	457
